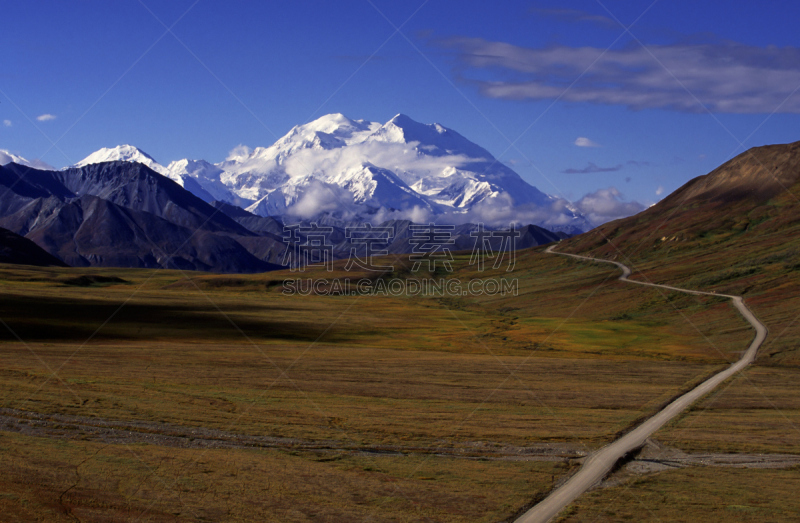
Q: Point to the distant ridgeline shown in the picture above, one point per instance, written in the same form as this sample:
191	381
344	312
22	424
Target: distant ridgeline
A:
124	214
132	212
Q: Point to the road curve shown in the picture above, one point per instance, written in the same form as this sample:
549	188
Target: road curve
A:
599	463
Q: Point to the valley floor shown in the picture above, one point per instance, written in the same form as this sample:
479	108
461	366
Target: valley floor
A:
190	396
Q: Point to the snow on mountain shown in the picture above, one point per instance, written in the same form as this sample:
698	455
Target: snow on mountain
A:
378	187
257	173
399	165
7	158
331	131
122	153
196	176
305	197
203	180
357	168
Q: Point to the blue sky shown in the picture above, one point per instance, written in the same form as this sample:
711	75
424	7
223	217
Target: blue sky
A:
688	86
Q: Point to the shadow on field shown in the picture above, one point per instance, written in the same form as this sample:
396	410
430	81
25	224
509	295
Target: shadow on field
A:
59	319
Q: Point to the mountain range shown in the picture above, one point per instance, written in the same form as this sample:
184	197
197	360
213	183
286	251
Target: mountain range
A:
125	214
121	214
355	170
137	213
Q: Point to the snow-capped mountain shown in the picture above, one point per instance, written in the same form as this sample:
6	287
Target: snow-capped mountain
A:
355	169
196	176
399	165
122	153
203	180
7	158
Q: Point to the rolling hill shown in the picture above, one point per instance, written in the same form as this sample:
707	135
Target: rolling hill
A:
734	230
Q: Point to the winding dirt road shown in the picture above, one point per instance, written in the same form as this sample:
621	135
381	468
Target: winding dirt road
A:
600	463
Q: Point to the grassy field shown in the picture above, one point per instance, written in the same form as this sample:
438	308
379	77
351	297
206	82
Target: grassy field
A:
448	385
756	411
743	247
695	494
64	480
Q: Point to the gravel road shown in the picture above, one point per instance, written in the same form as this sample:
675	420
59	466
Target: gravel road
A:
600	463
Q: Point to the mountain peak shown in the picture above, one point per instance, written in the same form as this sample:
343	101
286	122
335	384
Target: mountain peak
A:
337	118
122	153
405	128
399	165
401	118
186	163
336	124
403	121
7	157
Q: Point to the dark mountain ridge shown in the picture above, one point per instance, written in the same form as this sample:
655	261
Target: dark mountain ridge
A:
124	214
20	250
121	214
130	185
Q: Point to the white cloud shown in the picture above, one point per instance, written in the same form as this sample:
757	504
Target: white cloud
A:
500	211
582	141
416	214
605	205
7	123
238	153
660	190
495	211
723	77
319	197
46	117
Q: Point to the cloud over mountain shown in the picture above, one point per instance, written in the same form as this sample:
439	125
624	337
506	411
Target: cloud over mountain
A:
367	171
605	205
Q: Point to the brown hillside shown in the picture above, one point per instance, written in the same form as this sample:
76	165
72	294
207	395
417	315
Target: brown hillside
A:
735	230
758	187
